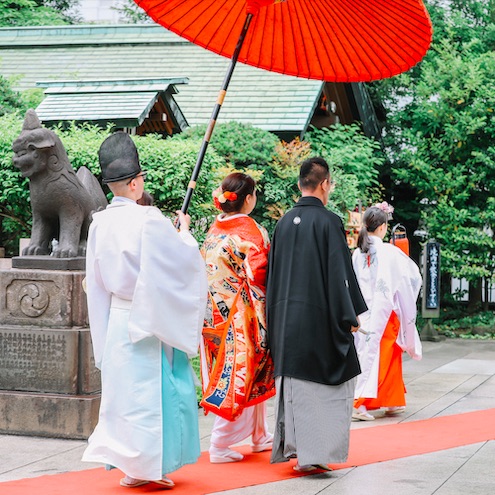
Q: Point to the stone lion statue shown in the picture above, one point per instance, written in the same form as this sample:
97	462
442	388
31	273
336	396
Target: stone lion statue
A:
62	201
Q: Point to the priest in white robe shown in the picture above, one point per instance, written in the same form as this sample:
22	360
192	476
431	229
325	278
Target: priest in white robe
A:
146	289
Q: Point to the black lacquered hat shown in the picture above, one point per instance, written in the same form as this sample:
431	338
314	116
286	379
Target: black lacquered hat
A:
118	158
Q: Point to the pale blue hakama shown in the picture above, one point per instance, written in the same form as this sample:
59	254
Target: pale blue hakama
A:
148	424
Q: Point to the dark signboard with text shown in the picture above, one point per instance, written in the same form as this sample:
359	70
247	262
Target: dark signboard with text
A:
431	276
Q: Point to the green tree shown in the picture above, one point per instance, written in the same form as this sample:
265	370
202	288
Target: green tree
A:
440	132
10	100
350	154
30	13
169	163
245	148
17	101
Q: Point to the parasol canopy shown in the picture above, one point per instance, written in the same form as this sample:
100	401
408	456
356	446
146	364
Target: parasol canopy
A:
330	40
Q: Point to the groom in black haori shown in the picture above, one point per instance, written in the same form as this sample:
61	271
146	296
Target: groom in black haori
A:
313	300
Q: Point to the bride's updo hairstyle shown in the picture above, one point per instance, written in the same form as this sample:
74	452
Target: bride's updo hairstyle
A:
238	185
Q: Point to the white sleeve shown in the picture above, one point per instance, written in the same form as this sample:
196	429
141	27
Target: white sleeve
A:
170	297
406	297
98	301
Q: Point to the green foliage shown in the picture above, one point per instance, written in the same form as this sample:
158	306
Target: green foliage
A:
10	100
15	214
170	161
354	160
349	151
17	101
67	8
278	187
242	145
31	98
29	13
440	129
479	326
245	148
279	182
82	144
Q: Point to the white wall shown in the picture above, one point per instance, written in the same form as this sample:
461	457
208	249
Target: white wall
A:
463	285
99	11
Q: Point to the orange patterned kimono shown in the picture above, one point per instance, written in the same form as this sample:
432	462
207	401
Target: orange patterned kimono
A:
237	368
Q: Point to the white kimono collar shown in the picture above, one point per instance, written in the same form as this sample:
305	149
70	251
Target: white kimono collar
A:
221	217
120	201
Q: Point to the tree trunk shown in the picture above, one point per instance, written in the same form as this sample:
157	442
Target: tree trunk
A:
475	296
445	289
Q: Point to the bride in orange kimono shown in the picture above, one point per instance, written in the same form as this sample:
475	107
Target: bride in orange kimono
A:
236	366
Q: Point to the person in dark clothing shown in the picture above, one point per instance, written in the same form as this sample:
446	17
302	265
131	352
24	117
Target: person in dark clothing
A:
313	300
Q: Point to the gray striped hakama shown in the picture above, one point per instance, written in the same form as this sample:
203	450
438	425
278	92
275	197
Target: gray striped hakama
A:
312	421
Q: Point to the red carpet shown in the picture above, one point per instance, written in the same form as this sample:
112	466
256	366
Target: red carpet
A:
368	445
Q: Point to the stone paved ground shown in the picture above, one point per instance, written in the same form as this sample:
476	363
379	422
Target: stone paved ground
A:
455	376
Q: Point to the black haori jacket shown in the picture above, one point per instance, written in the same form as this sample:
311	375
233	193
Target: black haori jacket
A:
313	297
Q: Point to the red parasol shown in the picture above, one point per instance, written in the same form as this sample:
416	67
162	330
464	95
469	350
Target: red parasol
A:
330	40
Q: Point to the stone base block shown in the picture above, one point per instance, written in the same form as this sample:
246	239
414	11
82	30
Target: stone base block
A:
48	415
48	263
42	298
48	361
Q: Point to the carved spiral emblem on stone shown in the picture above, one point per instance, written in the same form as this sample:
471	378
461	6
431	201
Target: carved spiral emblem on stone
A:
34	300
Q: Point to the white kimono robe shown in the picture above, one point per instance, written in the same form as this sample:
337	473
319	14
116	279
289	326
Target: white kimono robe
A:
389	281
146	289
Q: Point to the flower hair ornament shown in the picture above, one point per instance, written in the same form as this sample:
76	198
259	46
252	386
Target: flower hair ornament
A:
220	197
385	207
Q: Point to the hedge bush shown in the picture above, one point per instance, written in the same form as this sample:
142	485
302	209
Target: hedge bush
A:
274	164
15	211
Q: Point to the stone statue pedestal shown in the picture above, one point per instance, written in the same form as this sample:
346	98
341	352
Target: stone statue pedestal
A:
49	385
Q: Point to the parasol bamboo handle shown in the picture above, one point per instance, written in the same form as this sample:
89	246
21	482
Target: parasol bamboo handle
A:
214	115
